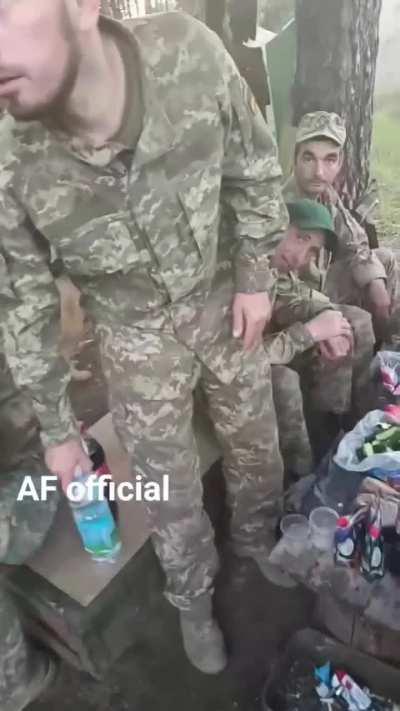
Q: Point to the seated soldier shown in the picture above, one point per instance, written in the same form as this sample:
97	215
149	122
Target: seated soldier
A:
357	275
331	347
24	671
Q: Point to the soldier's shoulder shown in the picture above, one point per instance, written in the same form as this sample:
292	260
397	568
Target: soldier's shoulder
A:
178	37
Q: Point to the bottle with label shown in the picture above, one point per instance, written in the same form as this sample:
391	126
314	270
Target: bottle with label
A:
345	544
95	521
372	558
100	466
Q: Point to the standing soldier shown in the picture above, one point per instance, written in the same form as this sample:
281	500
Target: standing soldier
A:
143	162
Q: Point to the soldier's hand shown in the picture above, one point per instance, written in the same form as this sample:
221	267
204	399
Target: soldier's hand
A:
334	350
379	300
329	324
64	459
328	196
251	314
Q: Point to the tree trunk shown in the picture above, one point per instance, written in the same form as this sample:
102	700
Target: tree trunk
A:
336	63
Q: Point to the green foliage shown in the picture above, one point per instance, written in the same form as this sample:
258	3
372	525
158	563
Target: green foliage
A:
386	164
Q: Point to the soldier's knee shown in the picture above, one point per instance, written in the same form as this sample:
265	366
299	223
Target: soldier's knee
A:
387	258
362	325
286	390
284	377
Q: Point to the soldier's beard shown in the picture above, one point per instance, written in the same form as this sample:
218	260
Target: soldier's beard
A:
54	111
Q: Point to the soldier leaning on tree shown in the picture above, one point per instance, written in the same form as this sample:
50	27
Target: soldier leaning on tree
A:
358	275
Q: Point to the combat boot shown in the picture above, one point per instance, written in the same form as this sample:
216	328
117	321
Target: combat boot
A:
43	675
202	638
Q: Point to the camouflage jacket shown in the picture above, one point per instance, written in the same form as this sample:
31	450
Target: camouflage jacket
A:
157	238
19	428
353	247
295	305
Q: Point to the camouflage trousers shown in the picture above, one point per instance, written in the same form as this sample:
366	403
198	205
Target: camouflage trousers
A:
341	288
345	387
294	439
151	402
23	528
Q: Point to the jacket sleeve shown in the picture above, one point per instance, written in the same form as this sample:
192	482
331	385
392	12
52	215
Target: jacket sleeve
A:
251	194
295	304
30	310
281	347
353	247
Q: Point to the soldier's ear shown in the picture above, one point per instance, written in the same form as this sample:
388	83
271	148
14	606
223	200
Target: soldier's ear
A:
341	158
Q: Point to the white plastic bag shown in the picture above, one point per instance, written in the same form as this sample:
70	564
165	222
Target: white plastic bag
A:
387	365
346	455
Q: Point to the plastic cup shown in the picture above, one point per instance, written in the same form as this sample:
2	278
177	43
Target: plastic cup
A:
323	526
296	527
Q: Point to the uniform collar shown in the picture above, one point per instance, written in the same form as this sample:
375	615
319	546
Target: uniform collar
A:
158	135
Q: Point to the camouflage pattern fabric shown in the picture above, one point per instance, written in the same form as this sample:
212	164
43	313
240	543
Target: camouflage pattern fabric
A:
321	123
23	525
138	231
23	528
341	288
294	440
357	260
19	428
152	407
158	237
15	655
346	388
336	388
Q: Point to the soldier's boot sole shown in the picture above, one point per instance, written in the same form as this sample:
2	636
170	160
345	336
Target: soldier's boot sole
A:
203	642
45	675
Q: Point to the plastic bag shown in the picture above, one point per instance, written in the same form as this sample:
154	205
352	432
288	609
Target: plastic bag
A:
346	455
385	373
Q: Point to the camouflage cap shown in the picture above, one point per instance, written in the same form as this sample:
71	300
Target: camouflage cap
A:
309	215
322	123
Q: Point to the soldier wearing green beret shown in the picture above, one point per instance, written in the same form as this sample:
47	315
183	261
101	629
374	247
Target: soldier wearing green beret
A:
328	347
356	274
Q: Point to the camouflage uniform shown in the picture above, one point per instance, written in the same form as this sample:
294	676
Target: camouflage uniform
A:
23	525
355	265
294	441
158	239
331	389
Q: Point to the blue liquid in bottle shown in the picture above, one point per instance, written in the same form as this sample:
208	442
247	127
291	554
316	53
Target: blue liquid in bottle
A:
95	523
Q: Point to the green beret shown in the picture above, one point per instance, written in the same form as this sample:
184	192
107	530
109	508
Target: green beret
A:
310	215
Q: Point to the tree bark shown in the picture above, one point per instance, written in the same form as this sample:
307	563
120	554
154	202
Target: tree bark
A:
336	63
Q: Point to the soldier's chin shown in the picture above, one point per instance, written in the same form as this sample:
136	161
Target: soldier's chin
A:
25	112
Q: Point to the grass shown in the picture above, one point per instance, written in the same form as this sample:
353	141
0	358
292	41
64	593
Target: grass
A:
385	165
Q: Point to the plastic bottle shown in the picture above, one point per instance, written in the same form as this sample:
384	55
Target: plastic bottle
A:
100	466
345	541
372	558
95	521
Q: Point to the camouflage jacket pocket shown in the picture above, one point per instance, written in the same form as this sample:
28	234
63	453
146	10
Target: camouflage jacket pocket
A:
199	197
104	245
